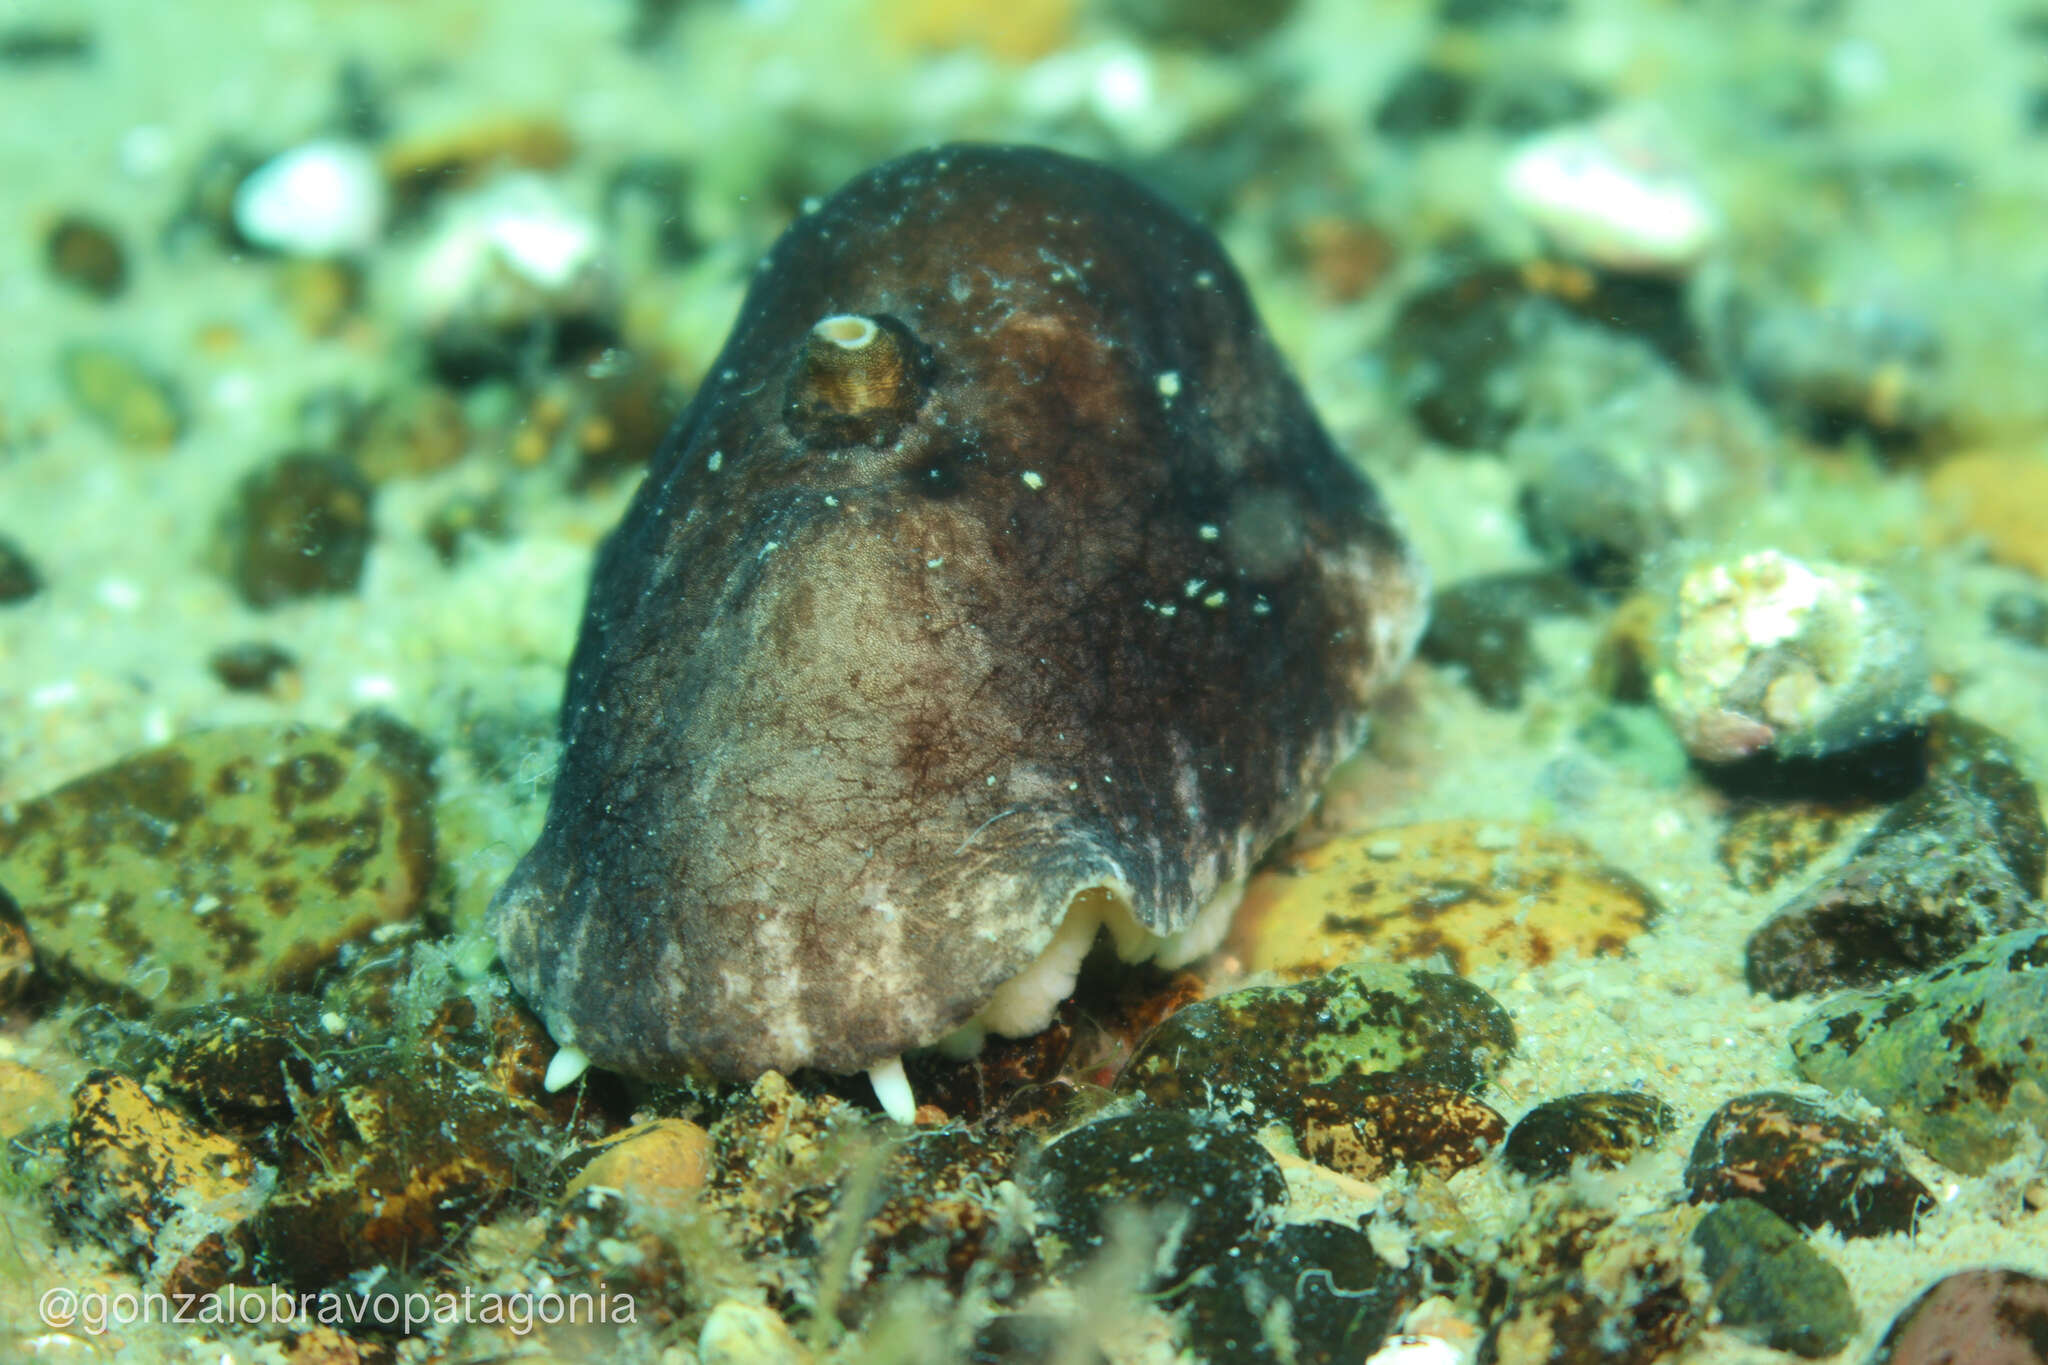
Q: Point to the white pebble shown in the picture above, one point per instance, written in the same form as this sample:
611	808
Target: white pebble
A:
1614	193
325	198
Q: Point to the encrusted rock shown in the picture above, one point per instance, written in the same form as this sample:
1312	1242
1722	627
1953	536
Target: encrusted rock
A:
1768	653
1959	860
229	860
1768	841
1770	1287
172	1199
1475	892
1310	1293
1207	1183
1951	1056
1586	1288
1807	1164
1604	1130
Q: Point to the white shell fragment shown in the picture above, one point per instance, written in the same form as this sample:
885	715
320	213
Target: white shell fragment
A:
568	1065
892	1088
1802	658
325	198
1614	193
517	232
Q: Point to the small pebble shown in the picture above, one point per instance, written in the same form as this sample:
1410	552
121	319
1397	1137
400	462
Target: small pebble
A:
134	405
253	666
324	198
19	579
463	517
299	527
1614	193
87	255
1603	1130
320	294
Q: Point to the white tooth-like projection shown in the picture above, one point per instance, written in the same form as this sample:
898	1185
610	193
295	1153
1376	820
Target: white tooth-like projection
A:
892	1088
569	1064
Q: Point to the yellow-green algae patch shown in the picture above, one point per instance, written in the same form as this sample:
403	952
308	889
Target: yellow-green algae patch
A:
224	862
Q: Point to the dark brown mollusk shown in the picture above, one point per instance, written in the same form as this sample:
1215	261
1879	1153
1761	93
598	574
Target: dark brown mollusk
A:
876	676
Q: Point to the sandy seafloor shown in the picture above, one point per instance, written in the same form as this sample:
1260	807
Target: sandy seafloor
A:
111	656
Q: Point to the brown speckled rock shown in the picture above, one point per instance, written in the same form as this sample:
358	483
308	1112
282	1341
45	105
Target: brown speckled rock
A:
1601	1129
1807	1164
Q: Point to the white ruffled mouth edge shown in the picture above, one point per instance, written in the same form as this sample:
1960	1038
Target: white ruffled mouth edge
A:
1025	1004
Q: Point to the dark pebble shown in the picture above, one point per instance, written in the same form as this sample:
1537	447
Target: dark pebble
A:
934	1222
1219	25
299	527
463	518
208	209
1207	1182
1310	1294
1806	1164
251	666
2021	616
1481	626
1839	372
1425	99
1028	1339
1770	1287
86	255
1764	843
1604	1130
19	580
646	200
1973	1317
1459	349
1959	860
31	45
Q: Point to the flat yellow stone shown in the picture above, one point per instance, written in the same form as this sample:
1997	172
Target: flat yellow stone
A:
662	1164
1475	892
2000	496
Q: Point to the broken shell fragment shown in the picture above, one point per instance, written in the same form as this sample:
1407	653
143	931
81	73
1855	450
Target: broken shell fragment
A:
1800	658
